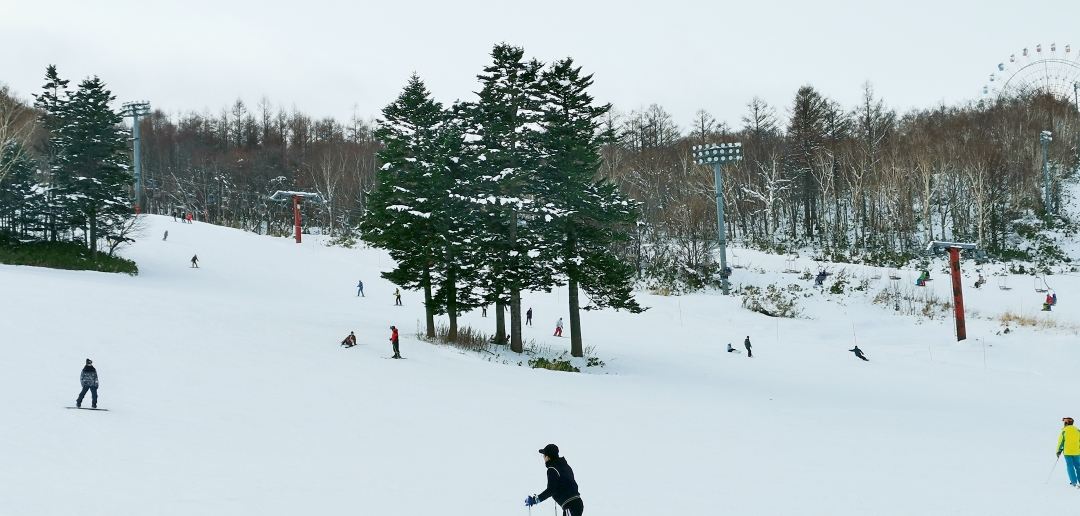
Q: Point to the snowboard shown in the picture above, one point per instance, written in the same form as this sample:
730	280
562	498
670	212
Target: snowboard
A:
89	408
392	358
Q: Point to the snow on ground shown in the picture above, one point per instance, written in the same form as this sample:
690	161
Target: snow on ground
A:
229	394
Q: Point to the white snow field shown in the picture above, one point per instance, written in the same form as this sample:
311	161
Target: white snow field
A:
230	395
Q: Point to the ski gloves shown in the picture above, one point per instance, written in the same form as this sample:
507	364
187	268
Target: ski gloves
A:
531	501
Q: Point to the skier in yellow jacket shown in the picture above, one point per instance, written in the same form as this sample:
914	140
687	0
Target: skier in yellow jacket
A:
1069	444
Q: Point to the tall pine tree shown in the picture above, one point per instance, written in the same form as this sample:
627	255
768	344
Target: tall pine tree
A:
586	215
90	166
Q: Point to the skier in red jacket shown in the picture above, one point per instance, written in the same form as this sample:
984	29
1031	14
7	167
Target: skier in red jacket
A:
394	339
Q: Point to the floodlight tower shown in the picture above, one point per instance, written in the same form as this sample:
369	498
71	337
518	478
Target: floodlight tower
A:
717	155
1045	138
135	110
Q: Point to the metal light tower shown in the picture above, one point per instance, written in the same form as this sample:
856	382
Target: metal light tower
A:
717	155
1045	138
135	110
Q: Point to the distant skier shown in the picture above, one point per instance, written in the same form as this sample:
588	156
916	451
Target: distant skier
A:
483	311
397	297
166	237
89	381
731	349
349	341
558	328
189	218
360	289
858	353
174	215
528	317
195	261
561	485
394	340
1069	444
746	343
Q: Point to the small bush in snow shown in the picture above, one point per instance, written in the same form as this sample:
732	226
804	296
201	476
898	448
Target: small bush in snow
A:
773	301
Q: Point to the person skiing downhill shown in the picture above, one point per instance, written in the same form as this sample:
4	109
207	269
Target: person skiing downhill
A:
1069	445
561	485
89	381
394	340
360	289
749	354
558	328
195	261
858	353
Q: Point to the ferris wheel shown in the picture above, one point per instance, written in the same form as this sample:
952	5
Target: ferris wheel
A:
1054	71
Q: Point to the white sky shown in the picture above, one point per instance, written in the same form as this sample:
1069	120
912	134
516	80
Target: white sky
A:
328	57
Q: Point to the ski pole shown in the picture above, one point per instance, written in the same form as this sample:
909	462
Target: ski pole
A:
1053	468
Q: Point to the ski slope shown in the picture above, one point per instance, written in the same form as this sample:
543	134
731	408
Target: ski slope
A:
230	395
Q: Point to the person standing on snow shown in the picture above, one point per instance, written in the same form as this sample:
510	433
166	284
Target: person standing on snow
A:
749	354
360	289
528	317
89	381
195	261
397	297
858	353
558	328
166	237
394	340
1069	444
561	485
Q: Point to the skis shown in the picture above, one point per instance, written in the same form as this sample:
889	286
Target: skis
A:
89	408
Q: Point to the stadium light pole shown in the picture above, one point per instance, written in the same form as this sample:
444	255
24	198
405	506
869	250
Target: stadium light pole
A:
717	155
1045	138
134	110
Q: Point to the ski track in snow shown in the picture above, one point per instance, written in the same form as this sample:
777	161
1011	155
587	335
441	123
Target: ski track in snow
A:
229	394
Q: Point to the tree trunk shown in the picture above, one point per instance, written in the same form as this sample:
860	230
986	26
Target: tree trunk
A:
451	303
429	304
515	289
572	296
500	319
93	235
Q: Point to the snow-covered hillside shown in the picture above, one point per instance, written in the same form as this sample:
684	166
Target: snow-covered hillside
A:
229	394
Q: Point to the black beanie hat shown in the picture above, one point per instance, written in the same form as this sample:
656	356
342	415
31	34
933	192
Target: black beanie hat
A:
88	361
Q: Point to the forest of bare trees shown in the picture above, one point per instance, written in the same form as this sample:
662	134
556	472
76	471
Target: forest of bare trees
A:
864	182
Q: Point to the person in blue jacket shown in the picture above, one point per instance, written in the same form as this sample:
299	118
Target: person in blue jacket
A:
360	289
561	485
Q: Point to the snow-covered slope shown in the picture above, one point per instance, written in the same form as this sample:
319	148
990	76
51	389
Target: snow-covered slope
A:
229	394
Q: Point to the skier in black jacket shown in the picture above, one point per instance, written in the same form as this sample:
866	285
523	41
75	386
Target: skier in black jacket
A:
561	485
858	352
89	383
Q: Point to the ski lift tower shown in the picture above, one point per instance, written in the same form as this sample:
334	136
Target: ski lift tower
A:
297	198
958	292
135	110
717	155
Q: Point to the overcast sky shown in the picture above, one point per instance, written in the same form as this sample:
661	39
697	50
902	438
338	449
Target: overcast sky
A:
328	58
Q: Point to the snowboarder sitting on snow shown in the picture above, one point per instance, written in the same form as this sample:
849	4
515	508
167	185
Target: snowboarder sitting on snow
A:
820	278
394	340
731	349
561	485
349	341
858	353
923	278
1069	444
89	381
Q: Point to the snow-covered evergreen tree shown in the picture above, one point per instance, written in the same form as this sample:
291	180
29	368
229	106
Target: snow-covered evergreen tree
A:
586	214
90	170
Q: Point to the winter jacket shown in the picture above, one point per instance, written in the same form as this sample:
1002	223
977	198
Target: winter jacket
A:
857	351
394	337
1069	442
746	343
89	376
561	485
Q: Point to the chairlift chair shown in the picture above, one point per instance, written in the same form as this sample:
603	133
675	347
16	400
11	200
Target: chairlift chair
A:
790	264
1040	283
1003	283
735	262
894	275
876	274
